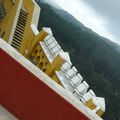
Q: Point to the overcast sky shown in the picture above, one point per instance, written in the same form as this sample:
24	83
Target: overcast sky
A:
102	16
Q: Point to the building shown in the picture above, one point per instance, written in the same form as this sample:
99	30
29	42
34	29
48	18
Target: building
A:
18	27
16	19
47	54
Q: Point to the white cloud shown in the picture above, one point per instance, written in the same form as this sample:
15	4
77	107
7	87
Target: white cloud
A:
86	15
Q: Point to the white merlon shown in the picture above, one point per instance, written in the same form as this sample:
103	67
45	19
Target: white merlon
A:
52	45
66	66
48	41
71	73
89	95
81	89
76	80
50	53
48	30
99	102
34	29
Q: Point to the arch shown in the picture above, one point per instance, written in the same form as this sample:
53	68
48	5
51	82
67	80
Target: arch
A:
35	52
43	57
41	65
46	63
36	60
44	70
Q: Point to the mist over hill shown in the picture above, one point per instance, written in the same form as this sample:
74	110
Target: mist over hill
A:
95	57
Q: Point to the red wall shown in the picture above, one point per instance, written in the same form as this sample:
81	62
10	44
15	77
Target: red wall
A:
28	98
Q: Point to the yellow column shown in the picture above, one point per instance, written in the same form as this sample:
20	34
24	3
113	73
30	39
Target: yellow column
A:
55	66
37	39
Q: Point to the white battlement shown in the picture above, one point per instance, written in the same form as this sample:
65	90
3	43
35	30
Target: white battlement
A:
68	75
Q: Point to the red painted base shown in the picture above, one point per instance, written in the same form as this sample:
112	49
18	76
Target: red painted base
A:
28	98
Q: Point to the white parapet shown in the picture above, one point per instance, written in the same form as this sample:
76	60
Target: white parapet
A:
69	77
36	14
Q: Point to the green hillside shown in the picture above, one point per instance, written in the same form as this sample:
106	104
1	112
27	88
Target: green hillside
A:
95	57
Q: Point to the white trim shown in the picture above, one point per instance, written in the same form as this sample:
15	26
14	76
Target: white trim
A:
15	21
36	14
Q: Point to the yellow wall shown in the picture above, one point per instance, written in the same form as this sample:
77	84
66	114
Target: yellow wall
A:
28	34
7	22
39	58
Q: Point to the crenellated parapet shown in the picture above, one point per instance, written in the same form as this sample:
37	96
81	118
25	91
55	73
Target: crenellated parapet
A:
47	54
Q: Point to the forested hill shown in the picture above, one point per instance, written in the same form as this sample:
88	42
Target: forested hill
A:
95	59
